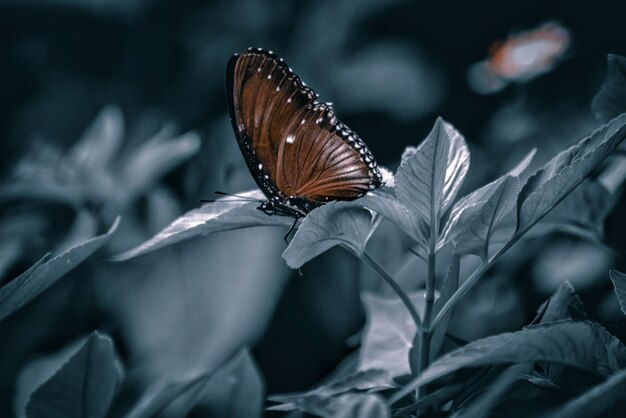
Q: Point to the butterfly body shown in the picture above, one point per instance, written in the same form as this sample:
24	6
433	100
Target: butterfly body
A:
299	153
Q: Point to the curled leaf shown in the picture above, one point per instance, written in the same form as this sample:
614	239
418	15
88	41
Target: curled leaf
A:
335	223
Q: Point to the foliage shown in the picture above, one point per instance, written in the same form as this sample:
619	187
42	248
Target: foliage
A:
408	361
422	202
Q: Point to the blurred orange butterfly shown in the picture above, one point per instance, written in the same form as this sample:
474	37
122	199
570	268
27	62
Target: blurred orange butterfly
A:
520	58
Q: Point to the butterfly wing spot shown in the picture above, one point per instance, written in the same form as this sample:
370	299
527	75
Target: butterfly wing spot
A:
291	139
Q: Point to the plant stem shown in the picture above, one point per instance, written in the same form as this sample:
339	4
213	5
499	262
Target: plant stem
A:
396	288
424	351
473	279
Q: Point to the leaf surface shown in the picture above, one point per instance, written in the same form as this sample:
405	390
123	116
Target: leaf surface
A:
335	223
546	188
601	353
224	215
475	239
596	402
611	99
235	390
431	175
82	387
389	333
619	284
45	272
466	208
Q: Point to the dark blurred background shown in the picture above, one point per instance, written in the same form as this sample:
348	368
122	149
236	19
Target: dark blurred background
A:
64	60
133	72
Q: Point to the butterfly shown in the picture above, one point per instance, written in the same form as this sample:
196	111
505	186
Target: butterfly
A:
521	57
526	55
299	153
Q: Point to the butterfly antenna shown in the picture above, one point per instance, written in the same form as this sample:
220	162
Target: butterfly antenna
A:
243	198
252	199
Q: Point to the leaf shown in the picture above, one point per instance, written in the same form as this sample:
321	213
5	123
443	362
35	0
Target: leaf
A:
392	209
45	272
335	223
598	401
367	380
361	380
619	283
475	239
82	387
563	304
160	396
546	188
587	207
100	142
449	286
224	215
466	208
611	99
584	345
389	333
500	387
39	370
155	158
361	406
348	405
234	391
430	176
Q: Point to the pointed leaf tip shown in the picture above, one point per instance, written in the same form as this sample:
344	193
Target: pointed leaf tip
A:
610	101
45	272
223	215
619	284
552	183
430	176
84	386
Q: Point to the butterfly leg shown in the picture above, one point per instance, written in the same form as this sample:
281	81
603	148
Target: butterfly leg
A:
290	230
